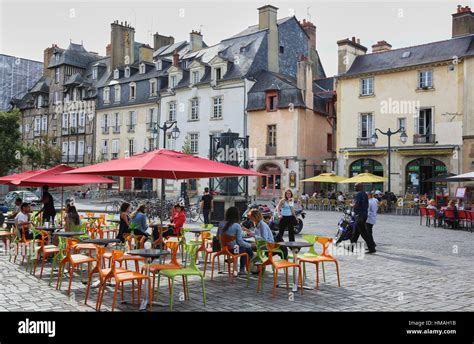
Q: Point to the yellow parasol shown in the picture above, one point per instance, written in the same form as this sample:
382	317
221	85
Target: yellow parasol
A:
364	178
325	178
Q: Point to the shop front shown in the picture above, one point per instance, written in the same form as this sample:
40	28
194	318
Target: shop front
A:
419	171
367	166
270	184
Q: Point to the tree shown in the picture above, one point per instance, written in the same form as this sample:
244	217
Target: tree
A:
10	141
42	155
187	146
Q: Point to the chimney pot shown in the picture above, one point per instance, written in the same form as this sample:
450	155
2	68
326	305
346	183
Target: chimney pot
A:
463	22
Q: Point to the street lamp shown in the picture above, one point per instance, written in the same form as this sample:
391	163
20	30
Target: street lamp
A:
389	133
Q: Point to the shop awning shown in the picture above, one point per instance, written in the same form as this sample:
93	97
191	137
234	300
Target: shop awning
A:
424	152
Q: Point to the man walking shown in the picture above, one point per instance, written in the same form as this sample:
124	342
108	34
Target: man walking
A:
372	215
361	212
207	205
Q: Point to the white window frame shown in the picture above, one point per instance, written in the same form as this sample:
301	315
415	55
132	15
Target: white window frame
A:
399	120
425	79
106	95
105	147
37	127
173	81
369	125
40	101
65	148
196	77
95	73
116	74
367	86
171	117
132	146
132	120
65	121
217	107
117	122
142	68
159	65
194	142
132	95
80	148
194	109
153	87
105	123
44	123
117	94
127	72
115	148
426	130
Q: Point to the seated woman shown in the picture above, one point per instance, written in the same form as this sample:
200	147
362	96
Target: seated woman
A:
232	227
71	218
178	219
139	218
124	224
439	215
453	223
262	231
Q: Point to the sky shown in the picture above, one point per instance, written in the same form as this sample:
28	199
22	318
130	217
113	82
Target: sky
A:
27	27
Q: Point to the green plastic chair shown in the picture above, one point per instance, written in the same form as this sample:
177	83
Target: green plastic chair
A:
191	270
310	253
261	255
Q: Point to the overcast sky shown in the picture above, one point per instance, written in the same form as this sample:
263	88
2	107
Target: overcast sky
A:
27	27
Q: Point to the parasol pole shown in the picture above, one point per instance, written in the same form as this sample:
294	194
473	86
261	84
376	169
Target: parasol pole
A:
62	197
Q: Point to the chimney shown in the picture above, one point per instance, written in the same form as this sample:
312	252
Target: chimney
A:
145	53
122	44
267	20
381	46
463	22
47	53
195	40
348	50
310	30
161	41
304	78
175	58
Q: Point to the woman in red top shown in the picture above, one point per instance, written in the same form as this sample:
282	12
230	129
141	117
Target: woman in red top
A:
178	218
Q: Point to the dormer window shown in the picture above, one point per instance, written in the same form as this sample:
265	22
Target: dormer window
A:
159	65
153	88
94	73
272	101
133	91
127	72
117	93
173	81
196	77
116	74
56	57
106	95
40	101
218	73
142	68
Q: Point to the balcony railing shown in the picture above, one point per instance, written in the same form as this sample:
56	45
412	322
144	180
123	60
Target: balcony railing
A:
431	138
270	150
364	142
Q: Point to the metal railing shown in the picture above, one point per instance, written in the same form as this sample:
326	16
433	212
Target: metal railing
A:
270	150
364	142
430	138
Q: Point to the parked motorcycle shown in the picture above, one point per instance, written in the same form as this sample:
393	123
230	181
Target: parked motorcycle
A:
345	225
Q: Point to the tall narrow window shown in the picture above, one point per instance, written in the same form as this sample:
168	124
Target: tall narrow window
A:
132	121
115	148
194	109
153	88
133	89
56	75
105	123
425	79
117	122
195	77
366	125
217	108
329	142
272	101
106	95
194	142
367	87
117	94
131	147
218	74
171	111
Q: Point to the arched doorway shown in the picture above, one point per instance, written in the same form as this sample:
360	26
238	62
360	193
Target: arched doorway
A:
418	171
367	166
270	184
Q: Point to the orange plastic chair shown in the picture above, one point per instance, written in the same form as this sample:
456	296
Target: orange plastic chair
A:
104	276
323	257
45	251
122	277
276	265
173	264
74	261
207	248
231	257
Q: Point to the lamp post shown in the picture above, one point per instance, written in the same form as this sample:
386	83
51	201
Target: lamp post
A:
174	135
389	133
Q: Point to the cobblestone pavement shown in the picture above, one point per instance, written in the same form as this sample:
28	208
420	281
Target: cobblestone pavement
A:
416	268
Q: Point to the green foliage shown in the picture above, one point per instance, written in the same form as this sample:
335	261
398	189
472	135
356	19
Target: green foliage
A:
10	141
42	155
187	146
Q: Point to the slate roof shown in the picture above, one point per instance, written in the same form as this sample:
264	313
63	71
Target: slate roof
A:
254	28
288	93
418	55
75	55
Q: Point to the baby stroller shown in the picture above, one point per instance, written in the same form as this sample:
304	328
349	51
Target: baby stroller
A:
345	225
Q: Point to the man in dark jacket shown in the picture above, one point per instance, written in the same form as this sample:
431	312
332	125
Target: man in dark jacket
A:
361	207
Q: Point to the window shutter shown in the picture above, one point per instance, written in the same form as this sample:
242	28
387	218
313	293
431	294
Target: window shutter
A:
372	127
80	150
417	119
134	118
103	120
359	125
65	148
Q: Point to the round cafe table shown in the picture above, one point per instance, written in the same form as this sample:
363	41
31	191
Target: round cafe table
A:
295	247
149	255
160	227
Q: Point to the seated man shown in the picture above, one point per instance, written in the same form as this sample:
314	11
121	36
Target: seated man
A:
22	221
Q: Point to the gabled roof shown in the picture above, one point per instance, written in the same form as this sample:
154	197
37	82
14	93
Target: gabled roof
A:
41	86
414	56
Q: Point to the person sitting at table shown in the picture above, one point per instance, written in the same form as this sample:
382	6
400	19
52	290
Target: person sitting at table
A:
124	224
438	214
231	227
460	204
139	218
71	218
453	223
262	230
22	220
178	219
